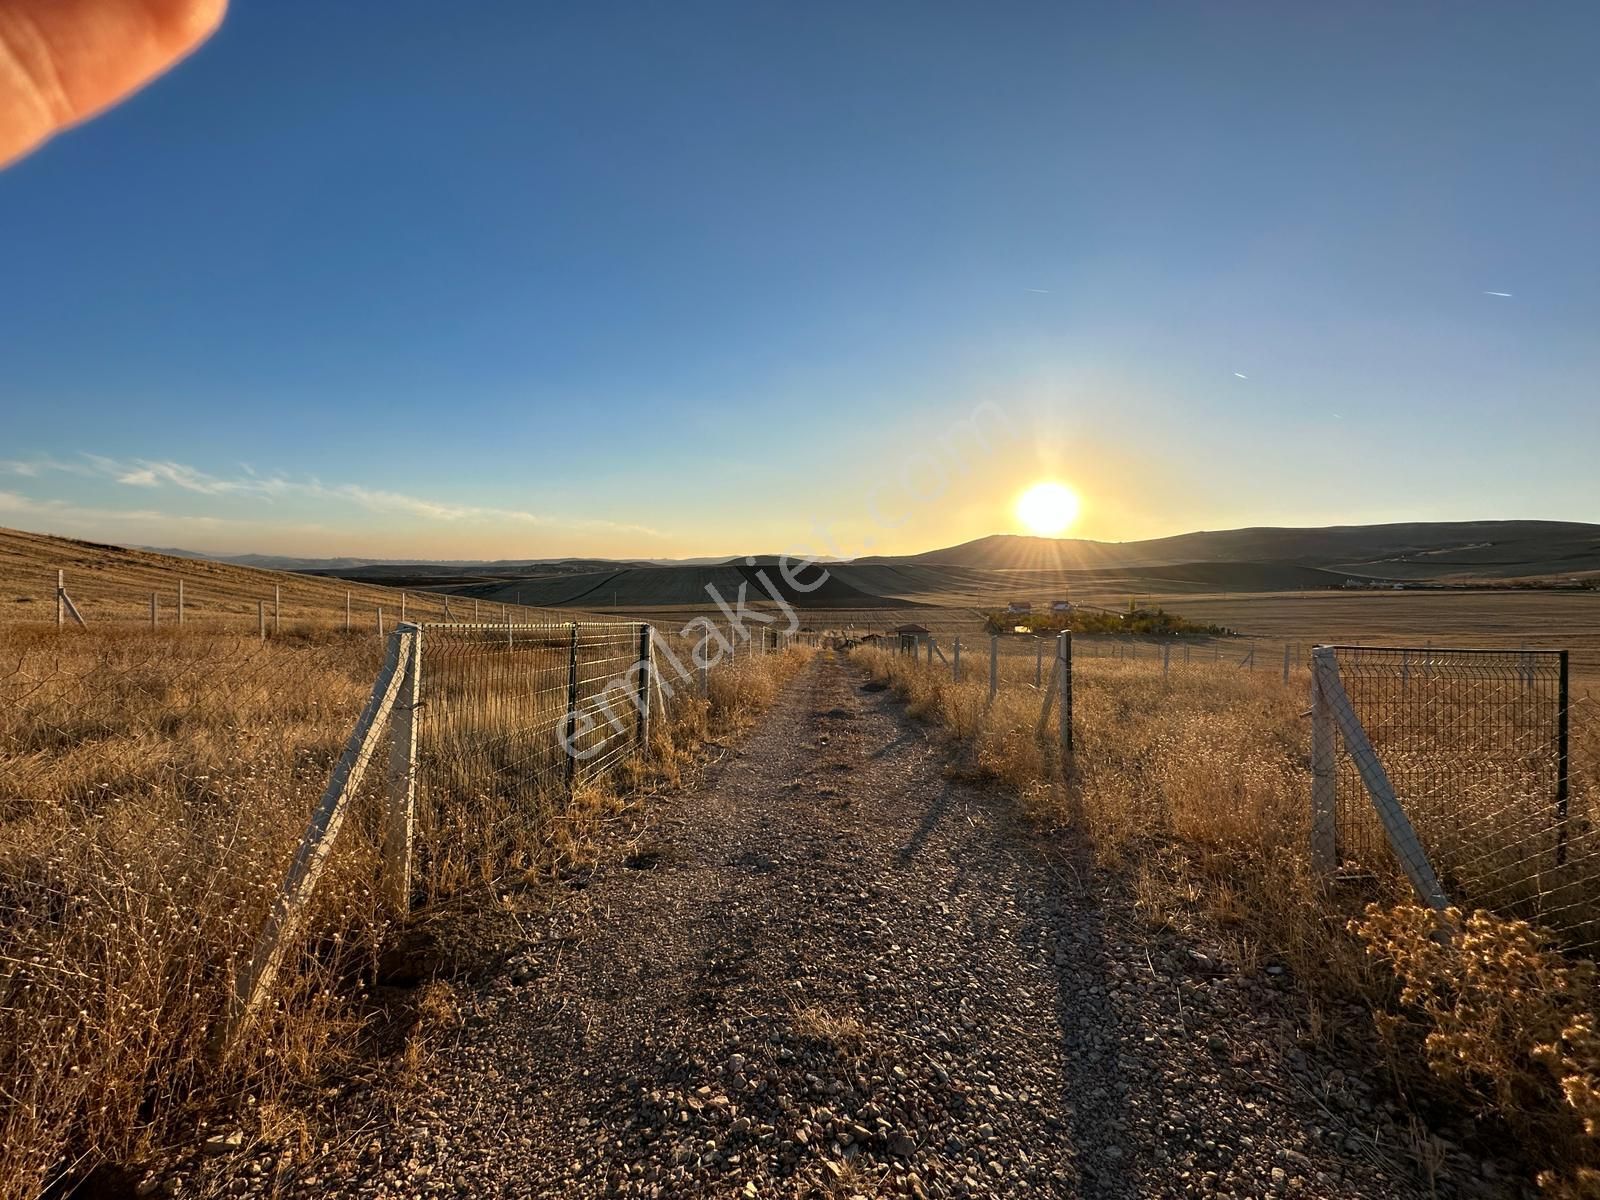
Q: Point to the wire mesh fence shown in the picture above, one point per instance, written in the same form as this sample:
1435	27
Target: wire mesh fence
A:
1492	755
1480	750
155	788
513	720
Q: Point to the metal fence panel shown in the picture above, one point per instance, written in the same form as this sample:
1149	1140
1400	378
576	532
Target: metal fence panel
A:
1477	744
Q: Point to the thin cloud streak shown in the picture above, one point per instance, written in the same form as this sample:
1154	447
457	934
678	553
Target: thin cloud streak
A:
158	473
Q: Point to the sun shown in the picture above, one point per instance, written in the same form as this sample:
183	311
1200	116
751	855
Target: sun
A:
1047	508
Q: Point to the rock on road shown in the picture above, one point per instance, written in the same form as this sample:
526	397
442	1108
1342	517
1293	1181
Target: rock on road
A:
834	971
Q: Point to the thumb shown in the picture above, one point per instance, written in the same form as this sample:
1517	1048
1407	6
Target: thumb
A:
62	61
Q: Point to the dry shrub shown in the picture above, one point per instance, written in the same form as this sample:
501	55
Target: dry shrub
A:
1503	1018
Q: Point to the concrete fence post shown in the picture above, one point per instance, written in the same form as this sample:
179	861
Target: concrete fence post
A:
955	661
1324	777
1064	703
64	605
400	827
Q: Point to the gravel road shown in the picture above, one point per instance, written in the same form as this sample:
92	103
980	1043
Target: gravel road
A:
834	971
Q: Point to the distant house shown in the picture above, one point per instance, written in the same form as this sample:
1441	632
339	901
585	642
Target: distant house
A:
1061	606
912	637
1019	606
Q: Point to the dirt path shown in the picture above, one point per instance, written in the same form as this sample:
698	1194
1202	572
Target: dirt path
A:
836	972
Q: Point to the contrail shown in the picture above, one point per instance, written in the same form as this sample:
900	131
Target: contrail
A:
1240	375
1507	295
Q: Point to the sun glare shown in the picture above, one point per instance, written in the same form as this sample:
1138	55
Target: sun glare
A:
1047	508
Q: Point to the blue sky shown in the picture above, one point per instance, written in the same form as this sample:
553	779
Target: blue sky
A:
509	279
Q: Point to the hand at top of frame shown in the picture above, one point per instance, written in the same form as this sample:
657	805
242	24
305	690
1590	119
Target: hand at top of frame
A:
62	61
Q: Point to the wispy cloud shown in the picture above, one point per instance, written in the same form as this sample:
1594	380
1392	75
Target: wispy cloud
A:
14	502
156	474
1507	295
1240	375
1040	291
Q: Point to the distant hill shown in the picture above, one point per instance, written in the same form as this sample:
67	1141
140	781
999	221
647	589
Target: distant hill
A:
1411	550
1005	566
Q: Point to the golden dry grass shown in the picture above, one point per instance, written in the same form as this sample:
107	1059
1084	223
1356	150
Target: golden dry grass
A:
153	787
112	585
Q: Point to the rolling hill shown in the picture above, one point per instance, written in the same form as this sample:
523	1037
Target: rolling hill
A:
1411	550
979	573
1005	566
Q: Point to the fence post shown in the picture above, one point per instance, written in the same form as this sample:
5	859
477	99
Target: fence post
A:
572	709
402	606
400	829
255	977
380	620
1286	662
180	601
1396	824
261	619
277	610
1038	662
347	610
1324	776
1562	708
1166	660
642	700
1064	704
994	665
955	662
152	610
64	601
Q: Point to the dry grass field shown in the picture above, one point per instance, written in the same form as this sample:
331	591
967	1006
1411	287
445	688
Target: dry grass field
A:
153	787
112	584
1554	619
